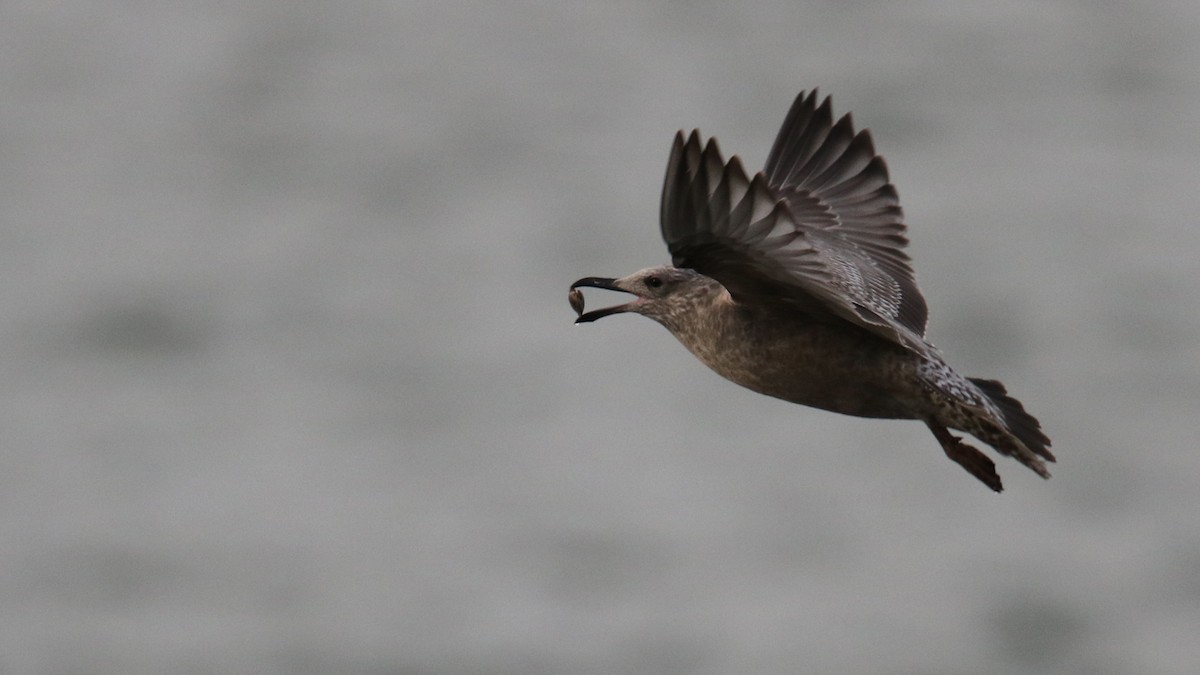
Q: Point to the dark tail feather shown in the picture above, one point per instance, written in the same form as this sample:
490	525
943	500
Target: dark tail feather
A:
1022	425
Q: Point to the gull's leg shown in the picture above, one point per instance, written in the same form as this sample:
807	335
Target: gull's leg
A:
975	462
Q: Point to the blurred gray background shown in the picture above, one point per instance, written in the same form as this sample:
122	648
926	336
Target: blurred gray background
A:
290	383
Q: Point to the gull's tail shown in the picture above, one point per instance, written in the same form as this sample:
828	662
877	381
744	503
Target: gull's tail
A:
1001	422
1020	424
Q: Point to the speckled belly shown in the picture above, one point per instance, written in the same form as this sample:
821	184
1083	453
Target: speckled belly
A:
822	366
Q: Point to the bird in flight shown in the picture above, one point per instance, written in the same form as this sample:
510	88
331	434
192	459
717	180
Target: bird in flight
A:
794	283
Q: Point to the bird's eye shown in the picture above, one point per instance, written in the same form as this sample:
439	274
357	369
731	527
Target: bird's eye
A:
654	282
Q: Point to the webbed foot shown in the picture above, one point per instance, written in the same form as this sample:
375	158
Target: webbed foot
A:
970	458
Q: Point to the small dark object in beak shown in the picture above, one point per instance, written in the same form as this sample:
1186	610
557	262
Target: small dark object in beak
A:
594	282
575	297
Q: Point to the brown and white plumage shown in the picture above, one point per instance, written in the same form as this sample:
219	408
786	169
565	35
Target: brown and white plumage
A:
795	283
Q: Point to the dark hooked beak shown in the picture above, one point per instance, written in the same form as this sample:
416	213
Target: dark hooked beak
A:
606	284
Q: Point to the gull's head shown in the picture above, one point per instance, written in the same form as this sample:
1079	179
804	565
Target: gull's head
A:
664	294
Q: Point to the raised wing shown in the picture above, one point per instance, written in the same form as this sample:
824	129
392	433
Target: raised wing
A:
821	230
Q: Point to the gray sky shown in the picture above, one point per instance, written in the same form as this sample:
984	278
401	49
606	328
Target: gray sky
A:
290	382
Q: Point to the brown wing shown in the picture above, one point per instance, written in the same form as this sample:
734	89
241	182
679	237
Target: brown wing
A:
821	230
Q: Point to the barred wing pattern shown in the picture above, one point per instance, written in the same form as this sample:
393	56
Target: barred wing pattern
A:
821	230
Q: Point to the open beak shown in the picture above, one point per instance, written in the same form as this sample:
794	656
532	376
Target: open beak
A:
607	284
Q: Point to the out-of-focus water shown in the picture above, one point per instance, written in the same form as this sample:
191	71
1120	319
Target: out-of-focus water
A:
290	385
